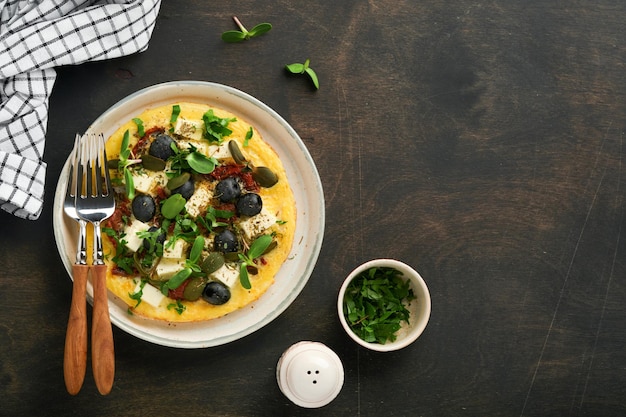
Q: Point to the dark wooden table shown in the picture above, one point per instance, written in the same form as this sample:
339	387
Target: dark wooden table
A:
480	142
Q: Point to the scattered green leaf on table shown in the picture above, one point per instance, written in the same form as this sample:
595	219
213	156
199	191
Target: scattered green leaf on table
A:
298	68
244	34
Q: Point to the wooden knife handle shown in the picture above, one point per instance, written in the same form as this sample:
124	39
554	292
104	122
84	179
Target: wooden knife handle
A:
102	351
75	356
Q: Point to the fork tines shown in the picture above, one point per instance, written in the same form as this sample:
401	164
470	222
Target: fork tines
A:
93	167
95	202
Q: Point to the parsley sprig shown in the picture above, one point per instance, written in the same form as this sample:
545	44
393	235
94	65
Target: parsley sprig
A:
216	127
375	304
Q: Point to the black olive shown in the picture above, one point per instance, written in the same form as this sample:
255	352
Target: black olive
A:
227	189
186	190
161	146
216	293
159	239
226	241
143	207
249	204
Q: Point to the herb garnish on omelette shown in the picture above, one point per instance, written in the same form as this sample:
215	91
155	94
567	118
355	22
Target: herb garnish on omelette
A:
205	216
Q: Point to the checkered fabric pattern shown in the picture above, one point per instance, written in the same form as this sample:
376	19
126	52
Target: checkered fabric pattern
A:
35	37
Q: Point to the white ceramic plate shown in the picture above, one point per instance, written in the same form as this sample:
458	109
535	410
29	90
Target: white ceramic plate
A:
303	178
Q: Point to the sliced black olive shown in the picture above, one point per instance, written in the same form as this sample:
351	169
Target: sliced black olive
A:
144	207
216	293
160	238
249	204
186	190
227	189
225	242
161	146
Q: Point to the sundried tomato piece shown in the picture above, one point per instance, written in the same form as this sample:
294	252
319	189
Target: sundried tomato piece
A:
178	293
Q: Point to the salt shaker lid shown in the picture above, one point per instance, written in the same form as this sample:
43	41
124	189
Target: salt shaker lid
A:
310	374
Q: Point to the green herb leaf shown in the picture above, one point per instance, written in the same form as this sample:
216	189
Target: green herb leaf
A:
179	307
175	113
130	184
233	36
260	29
173	205
313	77
196	249
259	245
244	279
138	294
178	278
140	131
201	163
375	304
216	127
243	34
297	68
125	150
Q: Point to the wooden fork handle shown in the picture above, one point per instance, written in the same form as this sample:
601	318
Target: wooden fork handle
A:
102	350
75	355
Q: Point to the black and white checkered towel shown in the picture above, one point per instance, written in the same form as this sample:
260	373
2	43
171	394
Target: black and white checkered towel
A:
35	37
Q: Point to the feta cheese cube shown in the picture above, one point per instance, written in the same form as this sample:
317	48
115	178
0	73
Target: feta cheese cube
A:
201	146
167	268
174	252
228	274
150	295
256	225
220	151
146	181
199	201
133	241
190	129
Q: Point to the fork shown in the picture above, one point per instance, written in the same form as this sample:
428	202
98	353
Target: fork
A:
94	204
75	355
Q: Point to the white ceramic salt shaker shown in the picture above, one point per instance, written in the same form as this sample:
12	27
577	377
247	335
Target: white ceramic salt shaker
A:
310	374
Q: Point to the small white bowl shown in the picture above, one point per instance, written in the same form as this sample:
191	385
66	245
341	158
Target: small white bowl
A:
419	308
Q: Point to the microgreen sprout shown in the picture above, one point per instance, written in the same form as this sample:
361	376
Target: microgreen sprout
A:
297	68
257	248
243	34
140	129
124	162
186	159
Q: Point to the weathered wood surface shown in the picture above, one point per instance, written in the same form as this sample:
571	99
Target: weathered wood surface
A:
482	143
